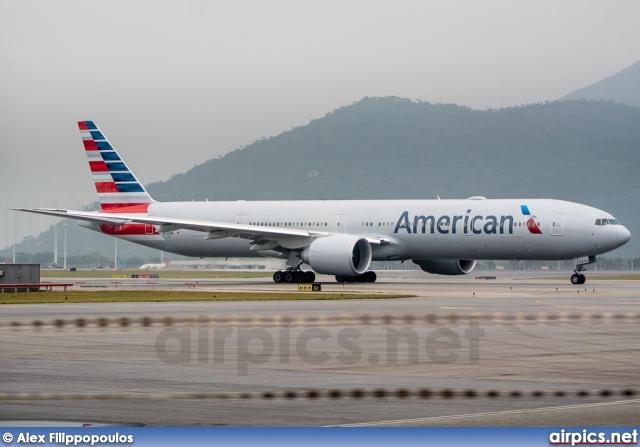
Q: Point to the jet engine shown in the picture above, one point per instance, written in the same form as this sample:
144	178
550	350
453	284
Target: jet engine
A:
446	266
340	254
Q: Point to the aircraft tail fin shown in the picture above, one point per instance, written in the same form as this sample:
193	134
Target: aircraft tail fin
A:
116	185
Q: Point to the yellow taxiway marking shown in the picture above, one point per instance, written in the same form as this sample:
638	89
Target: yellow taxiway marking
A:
456	308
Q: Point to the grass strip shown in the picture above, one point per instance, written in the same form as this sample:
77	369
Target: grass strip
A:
163	274
128	296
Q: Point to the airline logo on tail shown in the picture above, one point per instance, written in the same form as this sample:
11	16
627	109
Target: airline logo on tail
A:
531	223
115	183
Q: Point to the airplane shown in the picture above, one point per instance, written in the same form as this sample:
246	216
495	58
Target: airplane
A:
343	237
164	265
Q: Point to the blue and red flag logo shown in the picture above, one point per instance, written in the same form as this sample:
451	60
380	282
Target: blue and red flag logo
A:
531	223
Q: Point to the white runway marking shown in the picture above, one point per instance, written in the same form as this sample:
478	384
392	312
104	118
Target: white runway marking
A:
493	413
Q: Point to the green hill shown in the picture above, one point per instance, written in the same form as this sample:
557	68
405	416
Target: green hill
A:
622	87
392	148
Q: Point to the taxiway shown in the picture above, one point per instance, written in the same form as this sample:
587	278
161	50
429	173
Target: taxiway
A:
589	343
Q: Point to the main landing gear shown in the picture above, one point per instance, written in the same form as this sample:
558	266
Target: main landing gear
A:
577	277
294	276
369	276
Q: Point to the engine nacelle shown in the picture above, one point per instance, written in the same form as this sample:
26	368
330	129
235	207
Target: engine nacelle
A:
340	254
446	266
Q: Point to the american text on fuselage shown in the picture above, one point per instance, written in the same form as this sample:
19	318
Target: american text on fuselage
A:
448	224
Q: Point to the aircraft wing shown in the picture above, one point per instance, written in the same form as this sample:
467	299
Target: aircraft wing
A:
70	214
215	230
164	224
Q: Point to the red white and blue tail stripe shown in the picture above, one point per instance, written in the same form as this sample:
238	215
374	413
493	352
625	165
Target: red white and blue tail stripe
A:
115	183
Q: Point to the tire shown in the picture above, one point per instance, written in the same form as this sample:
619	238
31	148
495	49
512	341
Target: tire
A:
278	277
309	277
575	279
300	277
288	277
371	276
583	279
340	278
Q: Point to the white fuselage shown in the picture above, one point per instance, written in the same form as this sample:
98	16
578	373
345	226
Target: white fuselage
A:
414	229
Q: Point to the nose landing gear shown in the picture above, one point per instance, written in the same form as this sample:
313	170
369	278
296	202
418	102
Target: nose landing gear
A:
577	277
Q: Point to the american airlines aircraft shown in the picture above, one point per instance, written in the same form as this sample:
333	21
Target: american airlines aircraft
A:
342	237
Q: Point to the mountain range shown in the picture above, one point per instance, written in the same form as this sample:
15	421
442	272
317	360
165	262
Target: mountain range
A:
623	87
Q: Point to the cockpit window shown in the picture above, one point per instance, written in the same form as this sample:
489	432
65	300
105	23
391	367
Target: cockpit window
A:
601	222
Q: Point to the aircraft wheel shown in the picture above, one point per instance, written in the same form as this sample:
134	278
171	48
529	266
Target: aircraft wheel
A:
288	277
309	277
575	279
340	278
371	276
583	278
300	277
278	277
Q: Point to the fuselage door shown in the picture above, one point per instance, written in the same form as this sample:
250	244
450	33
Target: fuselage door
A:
241	219
341	223
557	223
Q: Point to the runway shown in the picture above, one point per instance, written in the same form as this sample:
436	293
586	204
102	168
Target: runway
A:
510	334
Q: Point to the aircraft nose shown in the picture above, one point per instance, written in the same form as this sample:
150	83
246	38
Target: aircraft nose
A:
623	235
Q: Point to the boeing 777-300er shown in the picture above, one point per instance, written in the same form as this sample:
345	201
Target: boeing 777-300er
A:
343	237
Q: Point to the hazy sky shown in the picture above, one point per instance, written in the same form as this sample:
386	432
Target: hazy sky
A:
174	83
